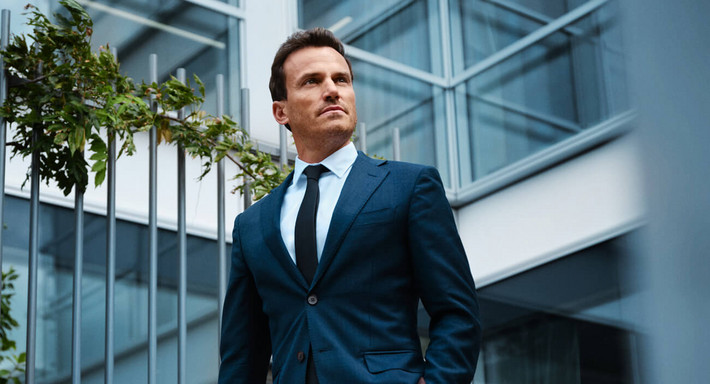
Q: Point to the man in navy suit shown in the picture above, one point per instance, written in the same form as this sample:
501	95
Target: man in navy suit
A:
335	300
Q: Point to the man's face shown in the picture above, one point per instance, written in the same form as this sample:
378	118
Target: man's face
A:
320	101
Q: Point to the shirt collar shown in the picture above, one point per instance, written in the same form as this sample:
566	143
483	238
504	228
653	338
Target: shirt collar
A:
338	162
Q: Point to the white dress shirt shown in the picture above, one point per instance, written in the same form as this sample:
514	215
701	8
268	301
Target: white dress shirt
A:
330	184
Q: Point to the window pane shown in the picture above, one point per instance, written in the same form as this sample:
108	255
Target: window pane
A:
387	100
572	320
342	17
549	8
567	82
403	31
181	34
564	322
487	28
521	106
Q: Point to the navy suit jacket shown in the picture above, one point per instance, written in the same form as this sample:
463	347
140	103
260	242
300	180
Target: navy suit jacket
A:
392	241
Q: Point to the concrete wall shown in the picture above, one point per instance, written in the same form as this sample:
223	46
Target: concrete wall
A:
588	199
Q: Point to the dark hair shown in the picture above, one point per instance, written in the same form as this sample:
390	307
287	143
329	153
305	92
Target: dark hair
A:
315	37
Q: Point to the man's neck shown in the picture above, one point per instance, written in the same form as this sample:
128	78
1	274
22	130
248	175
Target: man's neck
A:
318	154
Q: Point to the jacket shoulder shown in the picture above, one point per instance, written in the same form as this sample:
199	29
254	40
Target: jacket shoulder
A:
393	165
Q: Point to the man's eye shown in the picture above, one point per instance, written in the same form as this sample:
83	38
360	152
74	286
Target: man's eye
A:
310	81
342	80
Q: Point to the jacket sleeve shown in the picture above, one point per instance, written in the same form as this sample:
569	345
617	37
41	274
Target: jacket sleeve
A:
245	346
444	282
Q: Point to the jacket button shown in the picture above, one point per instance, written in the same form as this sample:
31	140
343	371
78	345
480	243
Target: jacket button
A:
300	356
312	299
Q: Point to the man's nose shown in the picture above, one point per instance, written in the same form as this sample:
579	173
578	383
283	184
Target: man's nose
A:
330	90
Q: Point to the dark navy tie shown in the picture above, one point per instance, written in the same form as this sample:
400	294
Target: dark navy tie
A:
305	233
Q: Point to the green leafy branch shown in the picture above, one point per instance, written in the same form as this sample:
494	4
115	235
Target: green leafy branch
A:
11	365
78	101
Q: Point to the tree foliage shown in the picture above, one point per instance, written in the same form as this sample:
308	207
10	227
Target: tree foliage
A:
74	101
11	365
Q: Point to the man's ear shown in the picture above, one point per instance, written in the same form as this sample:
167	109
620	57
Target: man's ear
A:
278	108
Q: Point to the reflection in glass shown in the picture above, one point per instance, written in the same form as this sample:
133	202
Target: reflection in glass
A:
568	321
486	28
521	106
572	320
55	281
571	80
181	34
402	31
342	17
387	100
548	92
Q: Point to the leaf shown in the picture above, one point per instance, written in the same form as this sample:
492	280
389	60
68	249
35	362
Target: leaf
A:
63	21
201	86
98	147
76	140
99	177
60	138
77	11
166	134
99	166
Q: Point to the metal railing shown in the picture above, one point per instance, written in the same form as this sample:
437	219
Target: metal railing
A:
76	364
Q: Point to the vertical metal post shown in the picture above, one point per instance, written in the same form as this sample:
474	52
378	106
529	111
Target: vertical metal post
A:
153	235
243	51
362	136
4	38
33	258
396	154
447	52
76	298
245	110
221	245
236	59
283	146
234	65
110	253
245	125
182	251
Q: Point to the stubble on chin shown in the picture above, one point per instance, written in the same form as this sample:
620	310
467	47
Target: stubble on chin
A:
336	138
318	143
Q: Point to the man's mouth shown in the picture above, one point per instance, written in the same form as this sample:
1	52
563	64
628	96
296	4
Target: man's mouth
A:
332	108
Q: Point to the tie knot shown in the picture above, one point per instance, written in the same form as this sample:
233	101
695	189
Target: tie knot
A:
314	171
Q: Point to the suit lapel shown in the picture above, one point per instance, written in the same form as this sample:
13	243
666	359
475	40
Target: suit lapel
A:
271	228
363	180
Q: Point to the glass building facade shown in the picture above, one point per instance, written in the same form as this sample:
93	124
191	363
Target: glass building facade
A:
55	279
477	86
480	89
568	321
